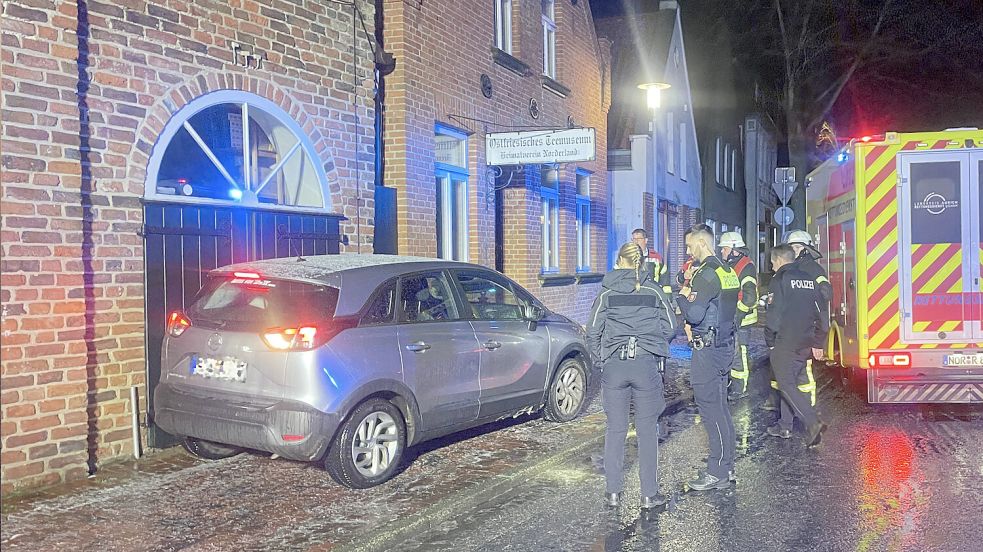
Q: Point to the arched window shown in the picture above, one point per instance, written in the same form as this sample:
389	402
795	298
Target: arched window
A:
235	147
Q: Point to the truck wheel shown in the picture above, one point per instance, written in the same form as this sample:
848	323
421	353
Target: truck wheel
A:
567	392
208	450
368	447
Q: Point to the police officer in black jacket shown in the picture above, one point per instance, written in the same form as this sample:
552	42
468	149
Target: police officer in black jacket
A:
795	317
628	332
709	306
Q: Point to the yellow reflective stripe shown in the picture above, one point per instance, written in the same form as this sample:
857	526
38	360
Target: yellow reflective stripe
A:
743	308
749	279
667	289
810	385
774	384
750	318
821	279
728	280
742	375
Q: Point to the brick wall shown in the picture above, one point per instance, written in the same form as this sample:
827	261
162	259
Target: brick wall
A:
442	48
72	269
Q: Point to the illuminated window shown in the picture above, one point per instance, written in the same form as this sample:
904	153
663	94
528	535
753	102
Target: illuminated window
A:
583	221
549	191
232	146
451	176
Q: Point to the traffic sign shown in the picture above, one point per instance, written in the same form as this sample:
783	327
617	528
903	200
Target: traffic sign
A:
784	216
784	190
784	174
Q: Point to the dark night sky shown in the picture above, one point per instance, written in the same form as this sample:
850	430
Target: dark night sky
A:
938	88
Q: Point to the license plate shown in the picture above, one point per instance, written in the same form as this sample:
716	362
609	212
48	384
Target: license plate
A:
960	359
229	369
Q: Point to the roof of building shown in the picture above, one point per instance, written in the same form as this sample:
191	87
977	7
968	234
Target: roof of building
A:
639	53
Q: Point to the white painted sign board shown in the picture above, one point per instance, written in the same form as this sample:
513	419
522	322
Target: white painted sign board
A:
535	147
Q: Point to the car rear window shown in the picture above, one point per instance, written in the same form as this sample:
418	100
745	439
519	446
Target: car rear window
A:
255	304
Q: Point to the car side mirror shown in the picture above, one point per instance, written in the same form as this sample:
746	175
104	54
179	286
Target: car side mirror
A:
533	314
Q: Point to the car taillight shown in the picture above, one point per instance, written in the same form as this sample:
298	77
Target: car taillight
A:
301	338
177	323
880	360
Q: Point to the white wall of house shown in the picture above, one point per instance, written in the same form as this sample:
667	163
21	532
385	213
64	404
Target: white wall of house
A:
626	188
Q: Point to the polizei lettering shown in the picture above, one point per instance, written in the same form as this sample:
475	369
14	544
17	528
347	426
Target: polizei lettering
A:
803	284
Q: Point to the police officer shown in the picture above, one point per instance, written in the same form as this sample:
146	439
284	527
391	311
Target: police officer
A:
806	259
794	319
655	265
709	306
628	333
734	252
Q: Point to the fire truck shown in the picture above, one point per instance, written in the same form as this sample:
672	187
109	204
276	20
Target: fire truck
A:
897	218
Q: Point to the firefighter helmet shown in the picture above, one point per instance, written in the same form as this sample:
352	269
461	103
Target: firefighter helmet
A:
731	239
799	236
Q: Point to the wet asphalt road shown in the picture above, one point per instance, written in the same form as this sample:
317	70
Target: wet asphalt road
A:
885	478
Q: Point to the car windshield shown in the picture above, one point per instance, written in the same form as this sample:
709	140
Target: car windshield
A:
248	303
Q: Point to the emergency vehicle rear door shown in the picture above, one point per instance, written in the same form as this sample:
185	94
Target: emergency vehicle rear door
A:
939	275
976	187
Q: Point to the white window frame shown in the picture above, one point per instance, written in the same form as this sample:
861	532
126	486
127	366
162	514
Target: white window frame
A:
503	25
726	166
549	38
249	190
550	224
583	222
717	160
670	143
452	211
683	156
733	169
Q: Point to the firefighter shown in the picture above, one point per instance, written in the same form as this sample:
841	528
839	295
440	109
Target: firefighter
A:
709	305
655	265
629	330
794	319
734	252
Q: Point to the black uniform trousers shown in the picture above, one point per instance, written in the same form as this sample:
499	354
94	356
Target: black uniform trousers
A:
709	375
789	367
625	382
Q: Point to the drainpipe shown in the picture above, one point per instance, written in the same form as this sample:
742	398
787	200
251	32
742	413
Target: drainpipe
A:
135	421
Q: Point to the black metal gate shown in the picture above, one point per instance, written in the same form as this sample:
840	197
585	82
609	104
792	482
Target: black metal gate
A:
183	242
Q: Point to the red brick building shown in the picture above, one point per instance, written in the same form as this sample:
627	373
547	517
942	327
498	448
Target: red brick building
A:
464	69
129	169
145	142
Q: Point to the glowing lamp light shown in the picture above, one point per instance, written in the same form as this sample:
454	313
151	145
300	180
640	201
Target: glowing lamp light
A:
235	194
842	157
653	93
866	138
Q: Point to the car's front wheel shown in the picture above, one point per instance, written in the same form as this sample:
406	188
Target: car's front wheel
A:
208	450
369	445
567	392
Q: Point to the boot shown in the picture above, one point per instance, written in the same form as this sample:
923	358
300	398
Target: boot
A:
706	482
778	431
655	501
612	500
814	434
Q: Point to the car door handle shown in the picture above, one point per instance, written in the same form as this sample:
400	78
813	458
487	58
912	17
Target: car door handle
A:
491	345
417	347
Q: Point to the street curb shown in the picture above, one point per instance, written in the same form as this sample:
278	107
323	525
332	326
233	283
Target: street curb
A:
426	519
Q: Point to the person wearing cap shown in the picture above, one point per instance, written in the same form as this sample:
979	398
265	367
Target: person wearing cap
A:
734	252
655	266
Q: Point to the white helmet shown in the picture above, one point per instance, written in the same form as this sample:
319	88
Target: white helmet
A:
799	236
731	239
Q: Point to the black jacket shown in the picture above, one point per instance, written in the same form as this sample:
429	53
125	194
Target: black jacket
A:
713	299
807	262
795	317
620	312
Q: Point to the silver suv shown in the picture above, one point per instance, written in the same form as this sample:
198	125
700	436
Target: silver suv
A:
349	359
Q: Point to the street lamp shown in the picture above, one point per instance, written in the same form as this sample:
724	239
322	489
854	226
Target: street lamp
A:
653	93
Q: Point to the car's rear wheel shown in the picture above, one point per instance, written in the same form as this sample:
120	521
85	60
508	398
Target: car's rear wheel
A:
369	445
567	392
208	450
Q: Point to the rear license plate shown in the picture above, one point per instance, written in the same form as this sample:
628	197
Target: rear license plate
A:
229	368
960	359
